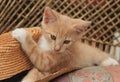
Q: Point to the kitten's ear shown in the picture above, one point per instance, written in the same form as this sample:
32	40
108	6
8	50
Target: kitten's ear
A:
49	15
79	28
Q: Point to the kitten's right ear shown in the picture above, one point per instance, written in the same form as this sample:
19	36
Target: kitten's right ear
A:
49	15
81	26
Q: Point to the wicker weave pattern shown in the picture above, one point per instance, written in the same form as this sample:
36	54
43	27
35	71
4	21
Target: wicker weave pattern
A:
104	15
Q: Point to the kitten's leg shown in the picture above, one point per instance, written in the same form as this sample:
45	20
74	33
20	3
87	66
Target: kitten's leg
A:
34	75
25	39
44	61
104	59
109	62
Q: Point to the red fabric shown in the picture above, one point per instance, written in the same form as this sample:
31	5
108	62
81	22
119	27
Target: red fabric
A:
115	72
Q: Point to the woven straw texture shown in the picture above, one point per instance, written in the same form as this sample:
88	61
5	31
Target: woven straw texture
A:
104	14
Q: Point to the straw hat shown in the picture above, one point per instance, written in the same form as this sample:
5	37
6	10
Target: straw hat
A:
12	59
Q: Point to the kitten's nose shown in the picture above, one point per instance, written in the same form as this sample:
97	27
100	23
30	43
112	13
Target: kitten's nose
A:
57	48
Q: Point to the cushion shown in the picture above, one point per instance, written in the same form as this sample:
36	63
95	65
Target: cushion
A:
92	74
88	74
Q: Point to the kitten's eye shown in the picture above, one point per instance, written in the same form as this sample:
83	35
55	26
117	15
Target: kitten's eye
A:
66	42
53	37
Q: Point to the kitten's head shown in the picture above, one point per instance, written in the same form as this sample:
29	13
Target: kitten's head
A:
61	31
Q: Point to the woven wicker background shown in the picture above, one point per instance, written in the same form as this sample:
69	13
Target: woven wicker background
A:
104	14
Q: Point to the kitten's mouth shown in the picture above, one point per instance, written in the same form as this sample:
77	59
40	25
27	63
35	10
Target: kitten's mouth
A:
57	51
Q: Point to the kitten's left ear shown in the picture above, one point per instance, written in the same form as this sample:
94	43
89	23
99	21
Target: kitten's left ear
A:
79	28
49	15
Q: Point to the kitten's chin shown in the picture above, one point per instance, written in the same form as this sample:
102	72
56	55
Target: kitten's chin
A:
60	52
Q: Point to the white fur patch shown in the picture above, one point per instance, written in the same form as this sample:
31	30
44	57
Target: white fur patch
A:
19	34
28	80
43	44
110	62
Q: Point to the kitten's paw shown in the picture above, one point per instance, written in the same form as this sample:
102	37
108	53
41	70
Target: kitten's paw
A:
109	62
19	34
26	81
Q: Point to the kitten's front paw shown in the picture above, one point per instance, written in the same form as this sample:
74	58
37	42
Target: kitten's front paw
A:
19	34
110	62
27	81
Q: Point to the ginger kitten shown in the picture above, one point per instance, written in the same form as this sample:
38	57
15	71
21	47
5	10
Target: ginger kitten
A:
59	46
